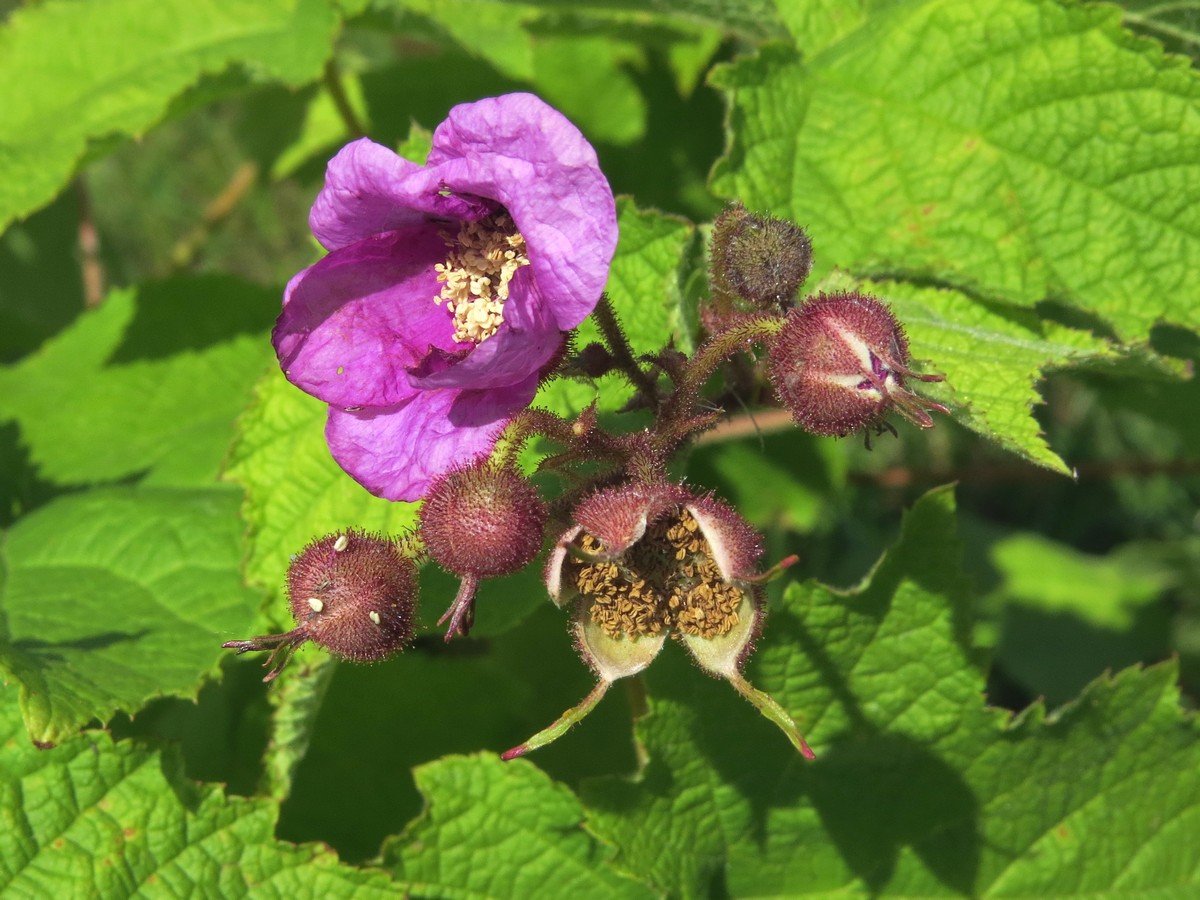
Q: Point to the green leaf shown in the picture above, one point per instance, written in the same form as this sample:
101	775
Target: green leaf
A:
802	472
1100	799
127	60
154	378
103	819
323	128
114	596
297	702
352	787
581	58
749	19
818	23
1103	590
644	282
1020	150
1067	616
295	491
39	295
918	788
501	830
572	68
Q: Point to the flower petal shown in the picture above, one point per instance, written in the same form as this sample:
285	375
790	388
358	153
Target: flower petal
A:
397	452
529	157
354	323
554	566
369	189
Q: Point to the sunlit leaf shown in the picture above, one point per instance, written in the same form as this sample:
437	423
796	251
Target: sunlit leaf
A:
128	60
114	596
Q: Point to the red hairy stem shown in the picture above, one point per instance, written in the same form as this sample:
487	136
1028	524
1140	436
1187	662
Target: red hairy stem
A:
622	352
682	415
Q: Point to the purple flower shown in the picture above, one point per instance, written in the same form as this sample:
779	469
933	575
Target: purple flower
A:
447	287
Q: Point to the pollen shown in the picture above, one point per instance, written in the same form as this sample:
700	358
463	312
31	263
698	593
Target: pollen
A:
668	581
481	261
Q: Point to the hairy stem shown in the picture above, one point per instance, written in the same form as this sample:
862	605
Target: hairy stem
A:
682	415
337	92
90	265
184	253
622	352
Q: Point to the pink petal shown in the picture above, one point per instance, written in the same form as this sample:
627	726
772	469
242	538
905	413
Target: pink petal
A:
529	157
397	452
354	323
370	189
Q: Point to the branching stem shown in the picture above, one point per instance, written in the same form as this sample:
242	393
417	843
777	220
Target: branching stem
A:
622	352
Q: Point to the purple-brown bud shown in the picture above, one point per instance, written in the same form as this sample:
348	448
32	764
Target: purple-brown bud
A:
480	521
353	593
760	259
483	520
840	364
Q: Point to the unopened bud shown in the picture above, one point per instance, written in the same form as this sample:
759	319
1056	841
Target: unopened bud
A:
840	365
760	259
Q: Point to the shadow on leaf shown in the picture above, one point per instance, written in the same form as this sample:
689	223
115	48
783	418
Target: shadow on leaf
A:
192	313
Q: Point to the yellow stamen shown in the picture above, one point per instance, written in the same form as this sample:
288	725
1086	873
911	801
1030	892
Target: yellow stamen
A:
482	260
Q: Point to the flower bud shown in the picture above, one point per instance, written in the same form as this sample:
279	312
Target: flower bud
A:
841	362
477	522
353	593
483	520
760	259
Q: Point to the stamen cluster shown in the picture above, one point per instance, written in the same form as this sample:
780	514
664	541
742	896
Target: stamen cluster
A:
668	580
481	260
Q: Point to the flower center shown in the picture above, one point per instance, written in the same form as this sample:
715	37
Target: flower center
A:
480	263
667	580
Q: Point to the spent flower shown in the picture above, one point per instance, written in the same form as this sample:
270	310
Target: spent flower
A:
645	562
447	287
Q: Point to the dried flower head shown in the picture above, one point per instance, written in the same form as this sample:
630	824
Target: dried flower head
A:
650	561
